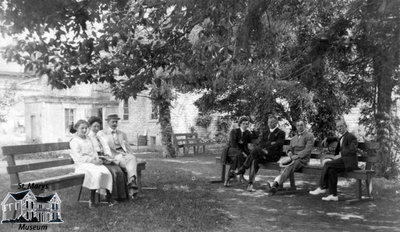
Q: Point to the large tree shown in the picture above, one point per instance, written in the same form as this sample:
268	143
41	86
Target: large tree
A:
299	59
132	45
305	59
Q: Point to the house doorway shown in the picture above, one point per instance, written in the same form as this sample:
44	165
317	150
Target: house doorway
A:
34	128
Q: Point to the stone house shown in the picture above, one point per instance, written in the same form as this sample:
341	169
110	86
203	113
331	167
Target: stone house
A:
42	114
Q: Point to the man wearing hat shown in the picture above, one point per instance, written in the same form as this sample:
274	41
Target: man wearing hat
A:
299	151
121	150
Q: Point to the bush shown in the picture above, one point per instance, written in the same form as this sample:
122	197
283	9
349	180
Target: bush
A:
203	120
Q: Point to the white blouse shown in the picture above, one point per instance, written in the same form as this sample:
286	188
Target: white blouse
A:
82	150
99	144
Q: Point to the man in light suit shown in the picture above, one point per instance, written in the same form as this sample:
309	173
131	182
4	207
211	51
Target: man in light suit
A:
299	151
120	150
345	160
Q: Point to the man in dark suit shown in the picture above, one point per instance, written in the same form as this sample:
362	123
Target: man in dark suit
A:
238	147
345	160
270	149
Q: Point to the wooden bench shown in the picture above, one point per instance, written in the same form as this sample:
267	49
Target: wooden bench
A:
52	183
187	141
367	157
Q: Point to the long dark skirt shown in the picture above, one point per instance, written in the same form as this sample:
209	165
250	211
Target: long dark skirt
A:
120	190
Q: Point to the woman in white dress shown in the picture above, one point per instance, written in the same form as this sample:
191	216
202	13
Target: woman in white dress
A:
86	159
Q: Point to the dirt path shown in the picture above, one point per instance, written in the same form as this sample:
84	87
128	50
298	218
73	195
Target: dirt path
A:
296	211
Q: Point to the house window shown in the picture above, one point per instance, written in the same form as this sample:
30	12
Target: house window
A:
126	109
69	118
154	111
27	206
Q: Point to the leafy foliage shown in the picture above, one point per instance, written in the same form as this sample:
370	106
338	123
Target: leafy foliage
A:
309	60
6	101
203	120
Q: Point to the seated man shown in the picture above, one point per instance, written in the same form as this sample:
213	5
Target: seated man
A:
299	151
120	150
270	149
238	148
345	160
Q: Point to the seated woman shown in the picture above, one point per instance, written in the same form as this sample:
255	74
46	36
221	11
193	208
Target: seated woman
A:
120	190
87	161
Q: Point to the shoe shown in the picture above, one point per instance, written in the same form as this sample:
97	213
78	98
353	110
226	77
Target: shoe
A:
240	171
132	183
318	191
242	179
132	193
250	188
274	188
232	174
331	198
227	182
268	187
112	203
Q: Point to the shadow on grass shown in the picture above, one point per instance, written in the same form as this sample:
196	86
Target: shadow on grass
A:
179	197
172	201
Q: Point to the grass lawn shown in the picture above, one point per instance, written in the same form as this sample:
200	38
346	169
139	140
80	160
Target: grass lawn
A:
179	197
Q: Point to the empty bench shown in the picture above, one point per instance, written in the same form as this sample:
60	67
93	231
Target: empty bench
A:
52	183
367	157
187	141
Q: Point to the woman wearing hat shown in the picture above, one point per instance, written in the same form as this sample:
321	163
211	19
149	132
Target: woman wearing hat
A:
121	151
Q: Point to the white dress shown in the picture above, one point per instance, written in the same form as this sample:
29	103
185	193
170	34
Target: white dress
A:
83	154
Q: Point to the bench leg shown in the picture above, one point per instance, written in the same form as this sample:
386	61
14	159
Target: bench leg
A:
93	197
80	191
139	179
359	188
223	173
292	182
368	185
223	170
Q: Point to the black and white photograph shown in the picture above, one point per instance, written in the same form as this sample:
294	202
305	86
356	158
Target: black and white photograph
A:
200	115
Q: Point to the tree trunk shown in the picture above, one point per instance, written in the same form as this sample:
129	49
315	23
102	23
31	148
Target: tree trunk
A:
385	84
164	119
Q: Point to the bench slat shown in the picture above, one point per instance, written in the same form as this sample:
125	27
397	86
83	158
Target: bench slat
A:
184	140
184	134
193	144
39	165
34	148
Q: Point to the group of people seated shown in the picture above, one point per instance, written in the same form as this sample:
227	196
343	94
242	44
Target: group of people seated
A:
269	148
105	156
